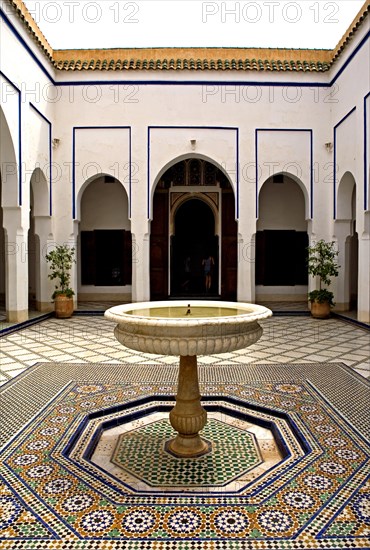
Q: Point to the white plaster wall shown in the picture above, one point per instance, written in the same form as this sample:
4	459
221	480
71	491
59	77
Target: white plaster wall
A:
98	151
255	104
104	206
347	148
286	152
167	144
282	206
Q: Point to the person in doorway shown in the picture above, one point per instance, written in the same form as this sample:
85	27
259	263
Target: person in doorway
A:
208	264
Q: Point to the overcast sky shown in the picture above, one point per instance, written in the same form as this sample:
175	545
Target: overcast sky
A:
157	23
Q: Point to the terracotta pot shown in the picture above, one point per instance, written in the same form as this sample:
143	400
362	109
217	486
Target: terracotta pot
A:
320	310
63	306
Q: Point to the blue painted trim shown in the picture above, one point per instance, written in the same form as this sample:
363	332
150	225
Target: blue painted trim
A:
24	324
193	127
25	45
256	167
148	176
20	150
335	161
130	170
50	156
350	320
73	173
365	153
232	128
310	130
311	174
180	83
237	144
20	172
193	83
353	54
74	161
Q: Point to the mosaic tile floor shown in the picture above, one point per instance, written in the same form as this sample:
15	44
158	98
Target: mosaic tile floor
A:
306	378
53	496
90	339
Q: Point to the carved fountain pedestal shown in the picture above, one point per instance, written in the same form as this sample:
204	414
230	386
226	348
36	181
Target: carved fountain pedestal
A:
188	329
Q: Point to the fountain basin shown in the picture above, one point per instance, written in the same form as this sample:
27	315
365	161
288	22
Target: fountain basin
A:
187	328
166	328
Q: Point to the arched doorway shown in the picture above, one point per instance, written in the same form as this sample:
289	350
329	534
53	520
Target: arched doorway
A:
39	236
32	247
193	240
353	252
347	237
281	241
105	250
193	216
13	278
2	257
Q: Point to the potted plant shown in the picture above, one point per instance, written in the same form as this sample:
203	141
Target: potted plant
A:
322	263
61	260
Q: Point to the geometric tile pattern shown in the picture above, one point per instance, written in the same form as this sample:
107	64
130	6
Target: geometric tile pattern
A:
241	451
141	453
320	501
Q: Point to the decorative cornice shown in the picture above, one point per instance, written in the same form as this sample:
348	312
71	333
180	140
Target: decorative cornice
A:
354	26
32	27
196	59
193	59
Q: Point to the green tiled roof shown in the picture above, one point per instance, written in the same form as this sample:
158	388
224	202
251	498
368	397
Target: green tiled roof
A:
192	65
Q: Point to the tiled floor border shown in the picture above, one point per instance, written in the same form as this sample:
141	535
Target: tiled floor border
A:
24	396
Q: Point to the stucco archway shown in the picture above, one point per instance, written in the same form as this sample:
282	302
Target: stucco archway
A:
195	181
345	232
282	240
13	277
39	238
8	166
105	249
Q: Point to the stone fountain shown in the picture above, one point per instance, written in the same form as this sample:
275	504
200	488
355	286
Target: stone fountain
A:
188	329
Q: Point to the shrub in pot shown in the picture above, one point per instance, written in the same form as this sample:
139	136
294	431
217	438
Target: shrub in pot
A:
322	264
61	260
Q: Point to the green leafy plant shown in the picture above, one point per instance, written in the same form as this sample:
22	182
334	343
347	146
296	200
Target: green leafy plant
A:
322	263
61	260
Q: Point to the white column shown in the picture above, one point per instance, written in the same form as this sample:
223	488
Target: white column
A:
342	232
246	267
140	264
363	307
44	287
16	265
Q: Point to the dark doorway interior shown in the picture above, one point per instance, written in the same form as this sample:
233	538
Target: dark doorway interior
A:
193	240
281	258
106	257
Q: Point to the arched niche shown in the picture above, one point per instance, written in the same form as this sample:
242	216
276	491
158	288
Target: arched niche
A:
105	262
38	236
345	231
188	158
282	240
344	197
9	198
8	165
